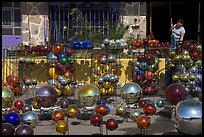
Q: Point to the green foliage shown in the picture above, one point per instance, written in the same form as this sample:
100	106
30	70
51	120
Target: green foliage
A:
115	31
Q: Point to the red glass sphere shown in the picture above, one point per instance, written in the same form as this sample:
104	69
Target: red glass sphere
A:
18	104
111	124
149	109
175	93
96	120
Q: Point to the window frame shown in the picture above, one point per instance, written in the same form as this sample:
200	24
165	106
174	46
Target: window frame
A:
12	26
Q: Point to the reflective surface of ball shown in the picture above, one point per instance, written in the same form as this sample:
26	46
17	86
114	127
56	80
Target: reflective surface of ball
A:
62	127
131	92
58	115
143	122
111	124
96	120
72	112
175	92
24	130
188	113
88	94
30	118
12	118
46	96
7	97
7	129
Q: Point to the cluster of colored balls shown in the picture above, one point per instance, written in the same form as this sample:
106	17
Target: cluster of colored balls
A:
86	44
113	44
145	69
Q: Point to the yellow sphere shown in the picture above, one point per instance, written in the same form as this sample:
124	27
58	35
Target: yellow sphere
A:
36	105
183	77
52	73
72	112
68	91
61	126
175	77
88	94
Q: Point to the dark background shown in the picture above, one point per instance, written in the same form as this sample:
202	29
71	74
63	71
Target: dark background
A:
161	19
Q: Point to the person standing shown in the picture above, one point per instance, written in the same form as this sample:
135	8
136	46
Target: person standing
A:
178	33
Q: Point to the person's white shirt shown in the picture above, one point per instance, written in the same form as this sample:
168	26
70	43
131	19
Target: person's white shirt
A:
176	31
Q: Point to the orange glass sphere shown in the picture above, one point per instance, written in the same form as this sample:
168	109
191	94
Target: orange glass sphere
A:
143	122
101	110
149	75
149	109
57	49
58	115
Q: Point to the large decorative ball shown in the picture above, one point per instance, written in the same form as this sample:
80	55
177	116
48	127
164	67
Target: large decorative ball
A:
88	95
7	97
131	92
30	118
143	122
134	115
160	103
46	96
72	112
187	116
149	109
96	120
18	104
58	115
12	118
111	124
62	127
175	93
7	129
101	110
120	110
24	130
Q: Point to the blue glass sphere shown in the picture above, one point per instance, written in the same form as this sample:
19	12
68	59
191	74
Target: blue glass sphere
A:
12	118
